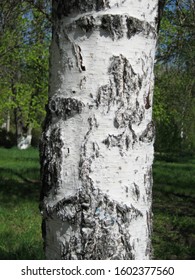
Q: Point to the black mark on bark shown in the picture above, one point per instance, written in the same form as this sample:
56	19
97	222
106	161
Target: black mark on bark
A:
113	25
136	26
147	101
86	23
51	160
81	60
136	191
148	134
65	107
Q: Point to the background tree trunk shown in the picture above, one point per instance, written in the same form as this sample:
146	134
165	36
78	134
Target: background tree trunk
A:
97	144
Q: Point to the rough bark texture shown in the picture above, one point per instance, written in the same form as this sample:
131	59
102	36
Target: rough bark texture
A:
97	143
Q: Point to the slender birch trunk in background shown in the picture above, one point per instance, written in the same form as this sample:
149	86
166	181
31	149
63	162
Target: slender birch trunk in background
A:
97	143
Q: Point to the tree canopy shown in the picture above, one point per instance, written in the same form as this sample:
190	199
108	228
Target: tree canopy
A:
24	40
174	103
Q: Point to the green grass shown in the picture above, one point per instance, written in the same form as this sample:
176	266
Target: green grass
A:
20	220
174	208
20	230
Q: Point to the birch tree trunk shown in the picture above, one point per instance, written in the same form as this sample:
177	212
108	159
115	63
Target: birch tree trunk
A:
97	144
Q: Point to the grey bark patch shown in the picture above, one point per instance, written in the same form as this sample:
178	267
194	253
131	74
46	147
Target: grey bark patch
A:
80	59
148	134
105	97
125	79
136	191
78	56
112	24
123	141
51	143
136	26
102	4
97	217
147	101
122	92
148	182
150	229
86	23
114	141
124	84
65	107
51	160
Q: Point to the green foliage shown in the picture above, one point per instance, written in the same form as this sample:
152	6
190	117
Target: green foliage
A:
174	102
174	108
24	52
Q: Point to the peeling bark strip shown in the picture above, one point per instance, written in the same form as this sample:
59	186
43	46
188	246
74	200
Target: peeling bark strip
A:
97	143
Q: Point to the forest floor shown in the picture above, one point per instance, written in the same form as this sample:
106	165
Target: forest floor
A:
20	220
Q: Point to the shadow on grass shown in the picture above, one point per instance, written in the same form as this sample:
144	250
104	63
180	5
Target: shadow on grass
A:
173	227
17	186
173	207
20	219
24	250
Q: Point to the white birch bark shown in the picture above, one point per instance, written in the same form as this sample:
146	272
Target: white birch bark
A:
24	139
97	144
